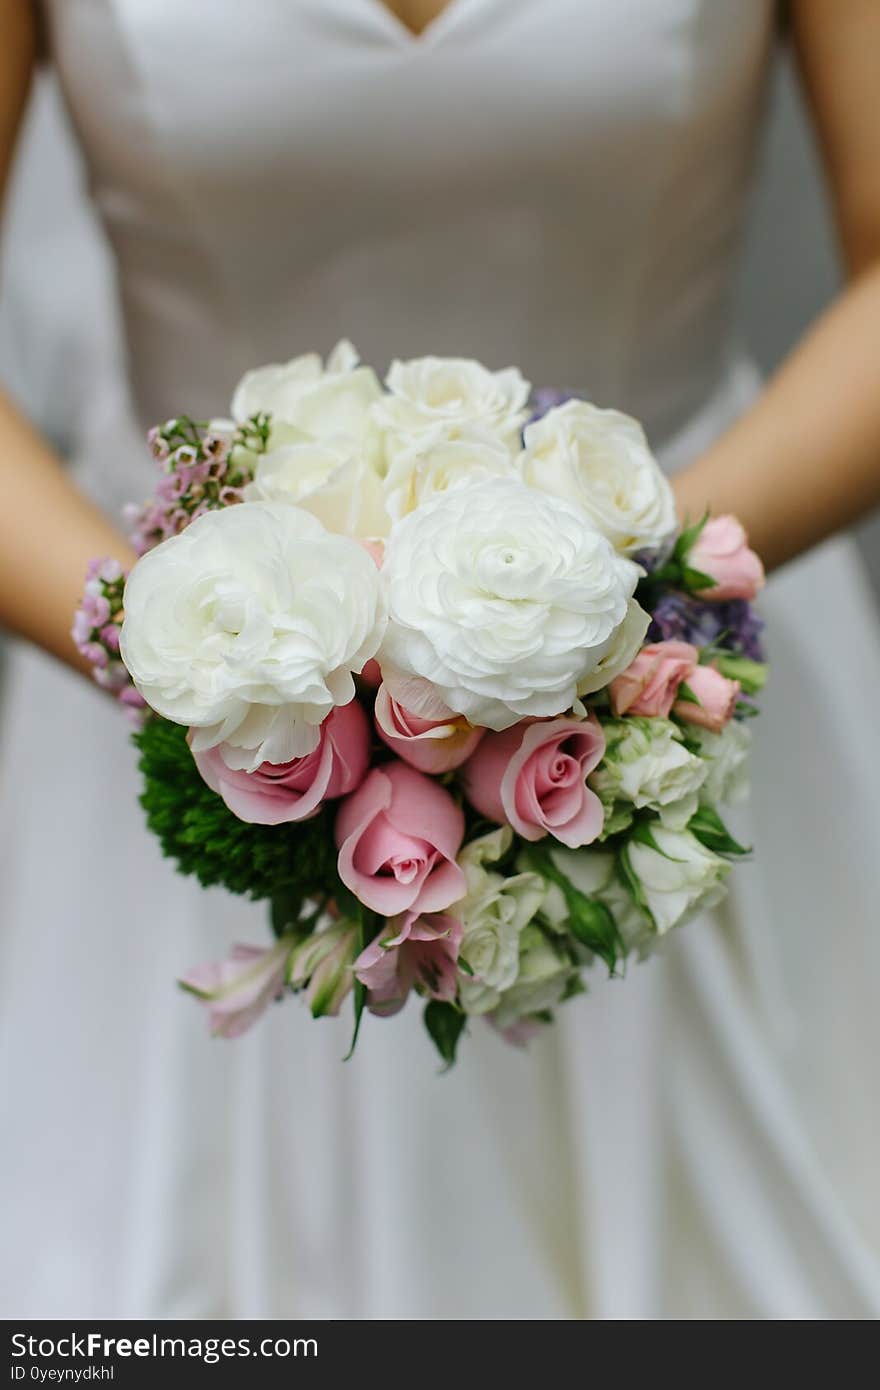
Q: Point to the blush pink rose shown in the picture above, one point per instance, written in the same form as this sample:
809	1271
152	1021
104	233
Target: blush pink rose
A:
431	745
534	776
415	950
279	792
649	685
722	551
398	836
717	699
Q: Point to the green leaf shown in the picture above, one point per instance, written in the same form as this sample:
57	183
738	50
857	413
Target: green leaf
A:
685	693
695	581
633	884
707	826
752	675
689	537
445	1024
359	991
590	921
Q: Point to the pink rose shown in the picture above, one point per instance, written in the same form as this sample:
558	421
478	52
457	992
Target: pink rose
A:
431	745
717	696
398	836
649	685
278	792
237	990
415	950
534	776
722	552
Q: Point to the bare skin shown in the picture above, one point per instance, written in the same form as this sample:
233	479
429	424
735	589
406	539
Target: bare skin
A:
804	461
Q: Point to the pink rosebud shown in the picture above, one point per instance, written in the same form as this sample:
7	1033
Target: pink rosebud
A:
534	776
649	685
722	552
239	989
398	836
431	745
276	793
413	951
717	699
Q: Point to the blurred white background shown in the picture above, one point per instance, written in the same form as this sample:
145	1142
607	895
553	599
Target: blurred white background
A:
58	335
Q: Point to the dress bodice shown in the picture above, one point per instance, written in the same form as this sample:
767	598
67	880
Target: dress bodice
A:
558	183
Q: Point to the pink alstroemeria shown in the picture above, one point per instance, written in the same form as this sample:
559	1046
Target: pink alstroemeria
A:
414	950
240	988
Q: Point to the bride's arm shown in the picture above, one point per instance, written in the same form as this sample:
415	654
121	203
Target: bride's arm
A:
48	531
806	459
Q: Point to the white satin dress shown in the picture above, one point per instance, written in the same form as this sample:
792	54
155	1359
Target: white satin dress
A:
559	184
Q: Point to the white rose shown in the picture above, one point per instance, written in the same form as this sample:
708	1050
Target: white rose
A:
247	627
726	759
434	466
503	599
327	478
622	652
493	912
601	460
544	971
441	396
323	402
646	764
675	877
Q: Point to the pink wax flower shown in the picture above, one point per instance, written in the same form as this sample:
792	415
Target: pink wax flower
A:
722	552
717	698
534	777
276	793
431	745
398	836
237	990
415	950
649	685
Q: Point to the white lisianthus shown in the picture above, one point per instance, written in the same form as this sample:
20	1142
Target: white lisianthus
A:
434	466
594	873
544	970
600	459
248	626
503	599
673	876
443	396
646	765
322	401
726	758
328	478
493	912
623	650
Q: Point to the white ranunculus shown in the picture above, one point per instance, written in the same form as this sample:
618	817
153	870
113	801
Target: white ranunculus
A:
493	912
433	466
332	401
248	625
676	877
647	765
600	459
726	758
544	970
442	396
328	478
503	599
622	652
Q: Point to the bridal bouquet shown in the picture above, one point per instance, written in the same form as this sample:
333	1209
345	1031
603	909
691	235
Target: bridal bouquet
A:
432	669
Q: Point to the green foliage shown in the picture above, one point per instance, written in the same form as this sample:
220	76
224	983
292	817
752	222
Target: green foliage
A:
285	863
445	1023
710	830
589	920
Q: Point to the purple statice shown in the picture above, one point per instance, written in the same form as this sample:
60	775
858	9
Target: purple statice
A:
95	632
546	398
686	618
203	467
